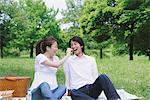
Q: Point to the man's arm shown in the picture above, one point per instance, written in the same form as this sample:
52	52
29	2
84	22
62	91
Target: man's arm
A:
94	69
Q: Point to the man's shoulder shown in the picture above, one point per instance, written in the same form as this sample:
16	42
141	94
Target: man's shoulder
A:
89	57
71	57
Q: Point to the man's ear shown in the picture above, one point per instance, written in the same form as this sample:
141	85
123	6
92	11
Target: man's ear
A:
48	48
81	46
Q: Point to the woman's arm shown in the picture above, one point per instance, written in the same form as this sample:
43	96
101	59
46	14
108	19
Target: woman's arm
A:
57	64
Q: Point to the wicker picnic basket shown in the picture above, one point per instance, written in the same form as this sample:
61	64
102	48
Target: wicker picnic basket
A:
6	95
18	84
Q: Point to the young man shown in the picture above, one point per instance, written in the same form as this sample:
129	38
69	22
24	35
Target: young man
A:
82	75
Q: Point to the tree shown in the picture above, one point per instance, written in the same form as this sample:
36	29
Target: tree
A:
3	30
11	22
29	21
95	22
142	40
42	23
132	18
70	18
117	19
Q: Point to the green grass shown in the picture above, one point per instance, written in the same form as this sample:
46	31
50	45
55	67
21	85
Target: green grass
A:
134	75
17	67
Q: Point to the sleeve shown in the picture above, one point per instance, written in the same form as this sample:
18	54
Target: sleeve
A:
57	58
67	74
94	69
41	58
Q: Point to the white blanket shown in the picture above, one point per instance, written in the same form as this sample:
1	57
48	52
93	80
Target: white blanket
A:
122	93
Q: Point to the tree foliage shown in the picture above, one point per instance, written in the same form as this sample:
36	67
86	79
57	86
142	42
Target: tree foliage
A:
29	21
122	23
70	18
115	19
13	21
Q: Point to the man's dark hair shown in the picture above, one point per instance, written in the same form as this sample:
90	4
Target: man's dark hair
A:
77	39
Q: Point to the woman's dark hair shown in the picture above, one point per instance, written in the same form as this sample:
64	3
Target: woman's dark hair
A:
79	40
41	45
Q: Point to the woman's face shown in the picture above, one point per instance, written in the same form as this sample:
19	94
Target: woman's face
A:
53	48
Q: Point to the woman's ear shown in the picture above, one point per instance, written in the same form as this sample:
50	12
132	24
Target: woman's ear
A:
47	48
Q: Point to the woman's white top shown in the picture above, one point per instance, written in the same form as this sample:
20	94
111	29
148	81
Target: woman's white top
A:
44	73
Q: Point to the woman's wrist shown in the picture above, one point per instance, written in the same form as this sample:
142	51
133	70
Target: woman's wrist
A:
68	54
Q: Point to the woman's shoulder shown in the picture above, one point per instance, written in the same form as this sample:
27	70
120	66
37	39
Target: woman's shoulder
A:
40	56
56	58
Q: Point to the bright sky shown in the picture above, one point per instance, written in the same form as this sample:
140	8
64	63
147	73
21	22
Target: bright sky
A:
56	3
61	4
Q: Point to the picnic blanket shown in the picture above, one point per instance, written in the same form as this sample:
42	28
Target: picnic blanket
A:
122	93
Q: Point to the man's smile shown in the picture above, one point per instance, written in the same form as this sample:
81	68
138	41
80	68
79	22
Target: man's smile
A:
75	49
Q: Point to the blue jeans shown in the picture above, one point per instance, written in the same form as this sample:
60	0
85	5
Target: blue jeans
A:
92	91
43	92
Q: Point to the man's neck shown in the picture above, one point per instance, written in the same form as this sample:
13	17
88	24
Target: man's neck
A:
80	54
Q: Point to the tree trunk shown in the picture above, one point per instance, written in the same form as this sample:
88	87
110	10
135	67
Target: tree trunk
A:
131	41
148	54
31	50
1	46
131	47
101	53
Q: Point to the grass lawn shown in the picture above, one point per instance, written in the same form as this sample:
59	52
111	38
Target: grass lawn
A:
133	76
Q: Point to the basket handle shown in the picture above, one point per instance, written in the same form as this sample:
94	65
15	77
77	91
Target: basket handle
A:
11	78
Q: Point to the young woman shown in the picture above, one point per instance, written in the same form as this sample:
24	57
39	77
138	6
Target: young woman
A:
44	86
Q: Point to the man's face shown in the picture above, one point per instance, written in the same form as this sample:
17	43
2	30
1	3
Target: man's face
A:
76	47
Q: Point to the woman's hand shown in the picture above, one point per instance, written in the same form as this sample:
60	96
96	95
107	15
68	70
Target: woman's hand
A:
69	51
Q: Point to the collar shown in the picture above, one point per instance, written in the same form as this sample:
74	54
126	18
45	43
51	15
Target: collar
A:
75	56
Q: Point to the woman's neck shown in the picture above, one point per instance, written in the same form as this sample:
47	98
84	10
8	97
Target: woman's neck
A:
48	55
